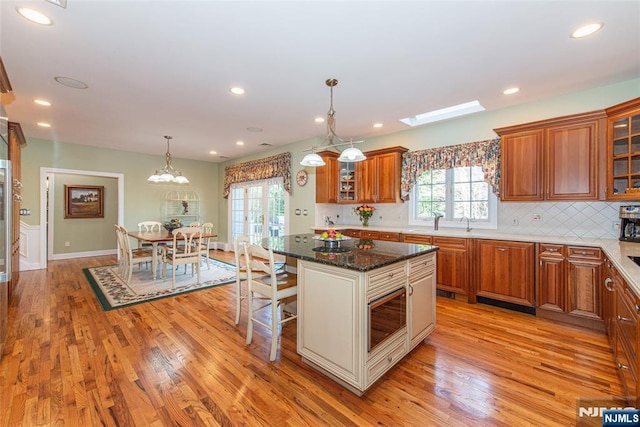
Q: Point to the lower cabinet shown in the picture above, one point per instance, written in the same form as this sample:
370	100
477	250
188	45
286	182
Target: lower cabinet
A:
505	271
422	299
570	283
627	316
453	264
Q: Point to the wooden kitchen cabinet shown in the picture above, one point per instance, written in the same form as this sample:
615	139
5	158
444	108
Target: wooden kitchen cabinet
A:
348	178
419	239
453	264
327	178
627	309
554	159
505	271
422	299
379	176
569	284
623	151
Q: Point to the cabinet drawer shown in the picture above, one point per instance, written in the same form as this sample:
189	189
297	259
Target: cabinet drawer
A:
385	280
391	237
352	233
417	239
422	266
627	319
452	243
365	234
584	252
626	368
549	249
378	367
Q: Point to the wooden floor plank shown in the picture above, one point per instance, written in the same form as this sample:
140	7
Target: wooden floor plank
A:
183	361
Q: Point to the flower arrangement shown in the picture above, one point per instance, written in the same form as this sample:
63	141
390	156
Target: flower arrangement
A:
364	212
172	225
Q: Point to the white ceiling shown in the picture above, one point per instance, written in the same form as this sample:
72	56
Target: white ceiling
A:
158	68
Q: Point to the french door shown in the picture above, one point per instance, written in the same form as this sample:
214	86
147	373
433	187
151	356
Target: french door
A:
258	209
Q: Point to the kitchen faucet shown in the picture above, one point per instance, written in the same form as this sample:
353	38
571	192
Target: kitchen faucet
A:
467	218
436	220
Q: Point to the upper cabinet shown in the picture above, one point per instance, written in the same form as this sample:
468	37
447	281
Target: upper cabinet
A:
379	176
327	178
623	151
374	180
554	159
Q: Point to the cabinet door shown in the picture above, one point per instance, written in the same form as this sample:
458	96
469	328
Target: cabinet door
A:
366	172
453	264
327	179
387	178
522	166
347	182
551	282
623	151
505	271
583	287
422	307
572	162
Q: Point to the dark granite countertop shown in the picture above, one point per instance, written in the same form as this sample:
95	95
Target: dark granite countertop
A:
353	254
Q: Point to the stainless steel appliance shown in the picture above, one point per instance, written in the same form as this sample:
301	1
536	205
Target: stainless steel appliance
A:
630	223
387	315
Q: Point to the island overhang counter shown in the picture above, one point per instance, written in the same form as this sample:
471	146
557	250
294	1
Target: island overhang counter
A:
362	304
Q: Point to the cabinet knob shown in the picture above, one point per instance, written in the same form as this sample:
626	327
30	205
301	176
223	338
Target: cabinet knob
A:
551	250
390	275
583	253
607	283
389	359
637	308
502	249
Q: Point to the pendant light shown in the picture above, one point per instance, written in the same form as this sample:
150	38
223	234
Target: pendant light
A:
349	155
168	173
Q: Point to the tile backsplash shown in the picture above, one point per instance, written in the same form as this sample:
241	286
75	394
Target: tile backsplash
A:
594	220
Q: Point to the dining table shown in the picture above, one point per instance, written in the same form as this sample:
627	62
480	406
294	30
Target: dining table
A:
155	238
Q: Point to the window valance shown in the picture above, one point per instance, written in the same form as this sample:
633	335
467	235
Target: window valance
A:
481	153
269	167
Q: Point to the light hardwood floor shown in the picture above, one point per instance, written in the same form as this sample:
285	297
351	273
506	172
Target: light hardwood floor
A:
183	361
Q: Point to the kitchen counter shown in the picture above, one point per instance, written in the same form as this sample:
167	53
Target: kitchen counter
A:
355	256
614	249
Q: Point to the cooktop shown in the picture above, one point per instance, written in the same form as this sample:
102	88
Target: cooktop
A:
635	259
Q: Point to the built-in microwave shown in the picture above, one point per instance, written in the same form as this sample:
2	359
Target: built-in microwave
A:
387	315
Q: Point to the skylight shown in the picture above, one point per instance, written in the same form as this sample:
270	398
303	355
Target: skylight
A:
443	113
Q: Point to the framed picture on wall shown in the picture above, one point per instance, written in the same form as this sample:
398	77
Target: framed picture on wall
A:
83	201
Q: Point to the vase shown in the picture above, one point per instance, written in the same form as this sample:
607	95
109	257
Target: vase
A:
365	222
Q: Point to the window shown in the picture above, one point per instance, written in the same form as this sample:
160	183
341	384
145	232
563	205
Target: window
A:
455	194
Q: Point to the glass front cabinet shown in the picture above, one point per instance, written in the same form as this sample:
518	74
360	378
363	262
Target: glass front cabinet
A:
623	151
347	183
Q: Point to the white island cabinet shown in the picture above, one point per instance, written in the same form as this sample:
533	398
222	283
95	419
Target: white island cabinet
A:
334	305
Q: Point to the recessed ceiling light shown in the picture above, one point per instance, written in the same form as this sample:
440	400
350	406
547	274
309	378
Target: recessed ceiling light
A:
213	153
239	142
34	16
42	102
44	125
237	91
511	90
72	83
587	30
444	113
377	125
319	119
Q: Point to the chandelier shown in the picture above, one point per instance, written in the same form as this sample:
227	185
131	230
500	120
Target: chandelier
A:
168	173
350	155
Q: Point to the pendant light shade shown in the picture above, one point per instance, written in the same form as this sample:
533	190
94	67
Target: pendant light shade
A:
312	159
349	155
168	173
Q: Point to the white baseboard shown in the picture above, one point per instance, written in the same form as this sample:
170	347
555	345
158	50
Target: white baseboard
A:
56	257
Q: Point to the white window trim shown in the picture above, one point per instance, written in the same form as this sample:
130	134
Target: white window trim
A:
490	224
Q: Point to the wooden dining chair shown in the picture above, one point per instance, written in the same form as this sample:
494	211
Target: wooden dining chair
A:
207	228
271	289
185	250
241	272
131	256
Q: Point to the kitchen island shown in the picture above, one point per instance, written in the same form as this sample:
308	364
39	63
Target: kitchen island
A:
362	304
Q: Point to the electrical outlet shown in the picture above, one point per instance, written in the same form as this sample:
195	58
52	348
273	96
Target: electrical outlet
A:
536	217
616	225
515	221
67	244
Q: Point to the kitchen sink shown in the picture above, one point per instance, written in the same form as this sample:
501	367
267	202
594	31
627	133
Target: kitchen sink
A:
635	259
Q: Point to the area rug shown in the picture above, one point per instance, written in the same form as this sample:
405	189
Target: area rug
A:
112	291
